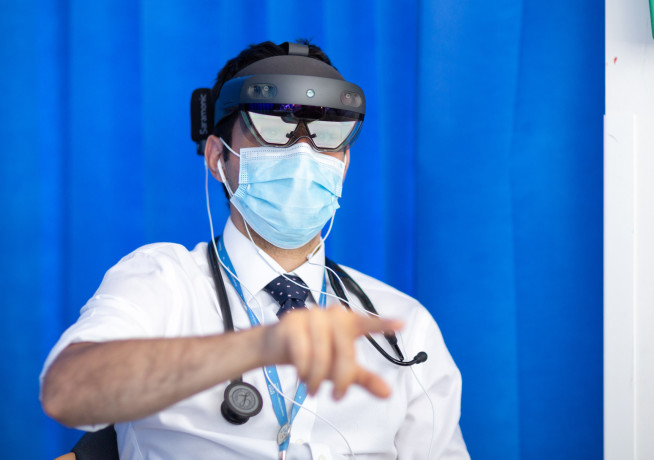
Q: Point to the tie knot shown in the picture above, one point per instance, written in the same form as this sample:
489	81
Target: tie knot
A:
289	291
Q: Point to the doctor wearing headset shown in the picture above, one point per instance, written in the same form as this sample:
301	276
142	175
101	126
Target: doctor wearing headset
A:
254	344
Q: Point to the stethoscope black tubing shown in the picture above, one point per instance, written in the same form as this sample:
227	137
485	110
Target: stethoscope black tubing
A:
225	309
366	303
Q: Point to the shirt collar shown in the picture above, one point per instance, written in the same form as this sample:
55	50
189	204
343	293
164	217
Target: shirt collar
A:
254	268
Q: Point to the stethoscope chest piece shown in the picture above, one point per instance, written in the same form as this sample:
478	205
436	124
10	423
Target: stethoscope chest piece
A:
241	402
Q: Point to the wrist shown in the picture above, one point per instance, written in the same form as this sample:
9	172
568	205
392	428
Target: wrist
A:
269	352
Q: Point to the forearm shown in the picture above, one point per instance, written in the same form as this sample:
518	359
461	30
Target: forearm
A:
92	383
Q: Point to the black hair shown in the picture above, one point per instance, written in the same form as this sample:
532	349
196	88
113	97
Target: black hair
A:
248	56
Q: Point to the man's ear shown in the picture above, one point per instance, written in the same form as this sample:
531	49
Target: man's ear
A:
213	151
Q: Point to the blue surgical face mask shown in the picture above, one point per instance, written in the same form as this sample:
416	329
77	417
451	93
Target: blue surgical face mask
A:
286	195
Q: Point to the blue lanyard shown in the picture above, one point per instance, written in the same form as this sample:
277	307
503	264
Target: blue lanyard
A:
278	402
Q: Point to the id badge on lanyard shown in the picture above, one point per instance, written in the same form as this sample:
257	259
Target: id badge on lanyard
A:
270	372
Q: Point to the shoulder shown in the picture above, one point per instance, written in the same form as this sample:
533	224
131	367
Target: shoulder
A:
165	251
164	256
154	270
372	284
152	286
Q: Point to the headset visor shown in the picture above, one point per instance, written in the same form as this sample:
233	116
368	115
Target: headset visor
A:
278	125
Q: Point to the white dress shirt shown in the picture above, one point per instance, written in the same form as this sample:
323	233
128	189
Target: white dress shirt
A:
164	290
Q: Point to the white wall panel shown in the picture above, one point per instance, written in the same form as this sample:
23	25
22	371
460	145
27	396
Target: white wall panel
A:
629	232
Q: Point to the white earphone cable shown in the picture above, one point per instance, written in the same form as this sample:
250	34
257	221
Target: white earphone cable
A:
426	393
315	414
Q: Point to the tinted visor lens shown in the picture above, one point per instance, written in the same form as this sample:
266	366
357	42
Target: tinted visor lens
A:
277	125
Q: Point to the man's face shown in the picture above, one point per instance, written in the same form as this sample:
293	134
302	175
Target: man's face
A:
243	138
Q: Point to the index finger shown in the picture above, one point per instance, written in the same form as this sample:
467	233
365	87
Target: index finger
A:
364	324
371	325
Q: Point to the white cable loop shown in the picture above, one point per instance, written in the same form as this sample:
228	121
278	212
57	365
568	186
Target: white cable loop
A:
426	393
315	414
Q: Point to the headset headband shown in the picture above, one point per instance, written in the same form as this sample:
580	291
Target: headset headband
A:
288	89
295	78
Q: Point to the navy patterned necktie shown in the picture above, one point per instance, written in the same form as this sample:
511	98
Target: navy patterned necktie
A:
289	295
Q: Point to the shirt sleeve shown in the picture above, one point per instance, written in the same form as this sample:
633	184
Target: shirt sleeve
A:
431	426
133	301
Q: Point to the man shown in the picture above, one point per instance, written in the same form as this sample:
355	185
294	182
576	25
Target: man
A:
153	351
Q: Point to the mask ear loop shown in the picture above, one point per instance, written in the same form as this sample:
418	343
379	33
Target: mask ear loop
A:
221	168
229	148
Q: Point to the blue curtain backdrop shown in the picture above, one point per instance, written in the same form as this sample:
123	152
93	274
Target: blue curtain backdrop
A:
476	185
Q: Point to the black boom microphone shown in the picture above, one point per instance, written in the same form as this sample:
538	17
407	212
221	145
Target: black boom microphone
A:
201	117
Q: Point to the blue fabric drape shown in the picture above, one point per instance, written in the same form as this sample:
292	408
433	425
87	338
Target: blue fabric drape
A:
476	185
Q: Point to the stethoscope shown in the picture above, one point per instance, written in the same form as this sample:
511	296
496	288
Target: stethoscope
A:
242	400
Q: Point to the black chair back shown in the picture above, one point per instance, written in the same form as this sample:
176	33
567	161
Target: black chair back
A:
98	445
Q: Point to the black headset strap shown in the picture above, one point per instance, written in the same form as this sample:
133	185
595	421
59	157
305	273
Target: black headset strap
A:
355	289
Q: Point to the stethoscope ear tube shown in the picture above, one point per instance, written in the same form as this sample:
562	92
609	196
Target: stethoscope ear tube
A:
354	287
220	287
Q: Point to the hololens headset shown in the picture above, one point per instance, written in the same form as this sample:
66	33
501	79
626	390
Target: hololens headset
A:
283	99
